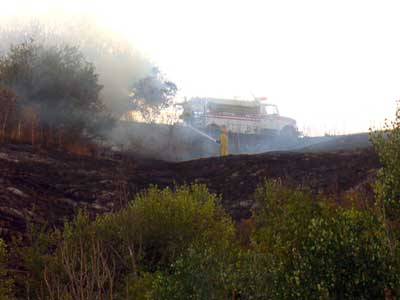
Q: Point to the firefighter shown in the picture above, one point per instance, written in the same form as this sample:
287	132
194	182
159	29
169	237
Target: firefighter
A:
223	141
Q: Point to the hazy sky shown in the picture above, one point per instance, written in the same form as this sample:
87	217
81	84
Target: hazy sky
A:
332	65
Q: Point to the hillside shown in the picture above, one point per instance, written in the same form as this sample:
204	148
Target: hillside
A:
48	186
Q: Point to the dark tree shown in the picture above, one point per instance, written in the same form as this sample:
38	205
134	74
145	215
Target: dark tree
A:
58	81
130	81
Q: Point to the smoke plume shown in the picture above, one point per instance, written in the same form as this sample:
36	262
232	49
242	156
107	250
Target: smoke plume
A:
118	63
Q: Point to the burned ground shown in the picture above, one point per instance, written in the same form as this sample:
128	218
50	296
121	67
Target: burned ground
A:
48	186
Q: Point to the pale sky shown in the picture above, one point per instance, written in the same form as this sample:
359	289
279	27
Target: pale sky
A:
334	66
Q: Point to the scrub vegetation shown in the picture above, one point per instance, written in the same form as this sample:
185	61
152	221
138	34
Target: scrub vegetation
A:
180	244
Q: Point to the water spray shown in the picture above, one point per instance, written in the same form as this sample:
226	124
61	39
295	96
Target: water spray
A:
201	133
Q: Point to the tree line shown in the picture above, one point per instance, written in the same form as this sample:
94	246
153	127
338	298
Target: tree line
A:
51	94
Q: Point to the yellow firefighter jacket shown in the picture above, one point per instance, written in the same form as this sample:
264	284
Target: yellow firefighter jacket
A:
223	146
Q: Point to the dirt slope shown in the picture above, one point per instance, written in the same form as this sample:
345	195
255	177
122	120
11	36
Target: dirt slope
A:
49	186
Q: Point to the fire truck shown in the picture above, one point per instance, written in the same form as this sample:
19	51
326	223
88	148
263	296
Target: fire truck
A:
244	117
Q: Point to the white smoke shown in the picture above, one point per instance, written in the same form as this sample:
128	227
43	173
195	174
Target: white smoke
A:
118	63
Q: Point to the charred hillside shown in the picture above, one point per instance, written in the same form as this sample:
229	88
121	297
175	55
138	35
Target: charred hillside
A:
48	186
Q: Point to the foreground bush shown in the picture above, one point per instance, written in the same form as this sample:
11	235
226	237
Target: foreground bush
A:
118	255
387	146
160	225
6	284
309	250
180	244
202	273
302	248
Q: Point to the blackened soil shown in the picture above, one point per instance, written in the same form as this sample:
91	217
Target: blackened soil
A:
48	186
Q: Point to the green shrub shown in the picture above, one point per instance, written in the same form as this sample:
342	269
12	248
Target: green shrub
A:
6	283
180	244
119	255
32	255
59	262
202	273
307	249
140	287
387	146
160	225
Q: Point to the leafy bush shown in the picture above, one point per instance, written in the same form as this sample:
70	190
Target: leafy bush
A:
159	225
309	250
303	248
6	283
81	267
387	145
33	258
202	273
180	244
69	264
120	254
182	234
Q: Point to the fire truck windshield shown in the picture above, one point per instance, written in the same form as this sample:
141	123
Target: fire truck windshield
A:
269	109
